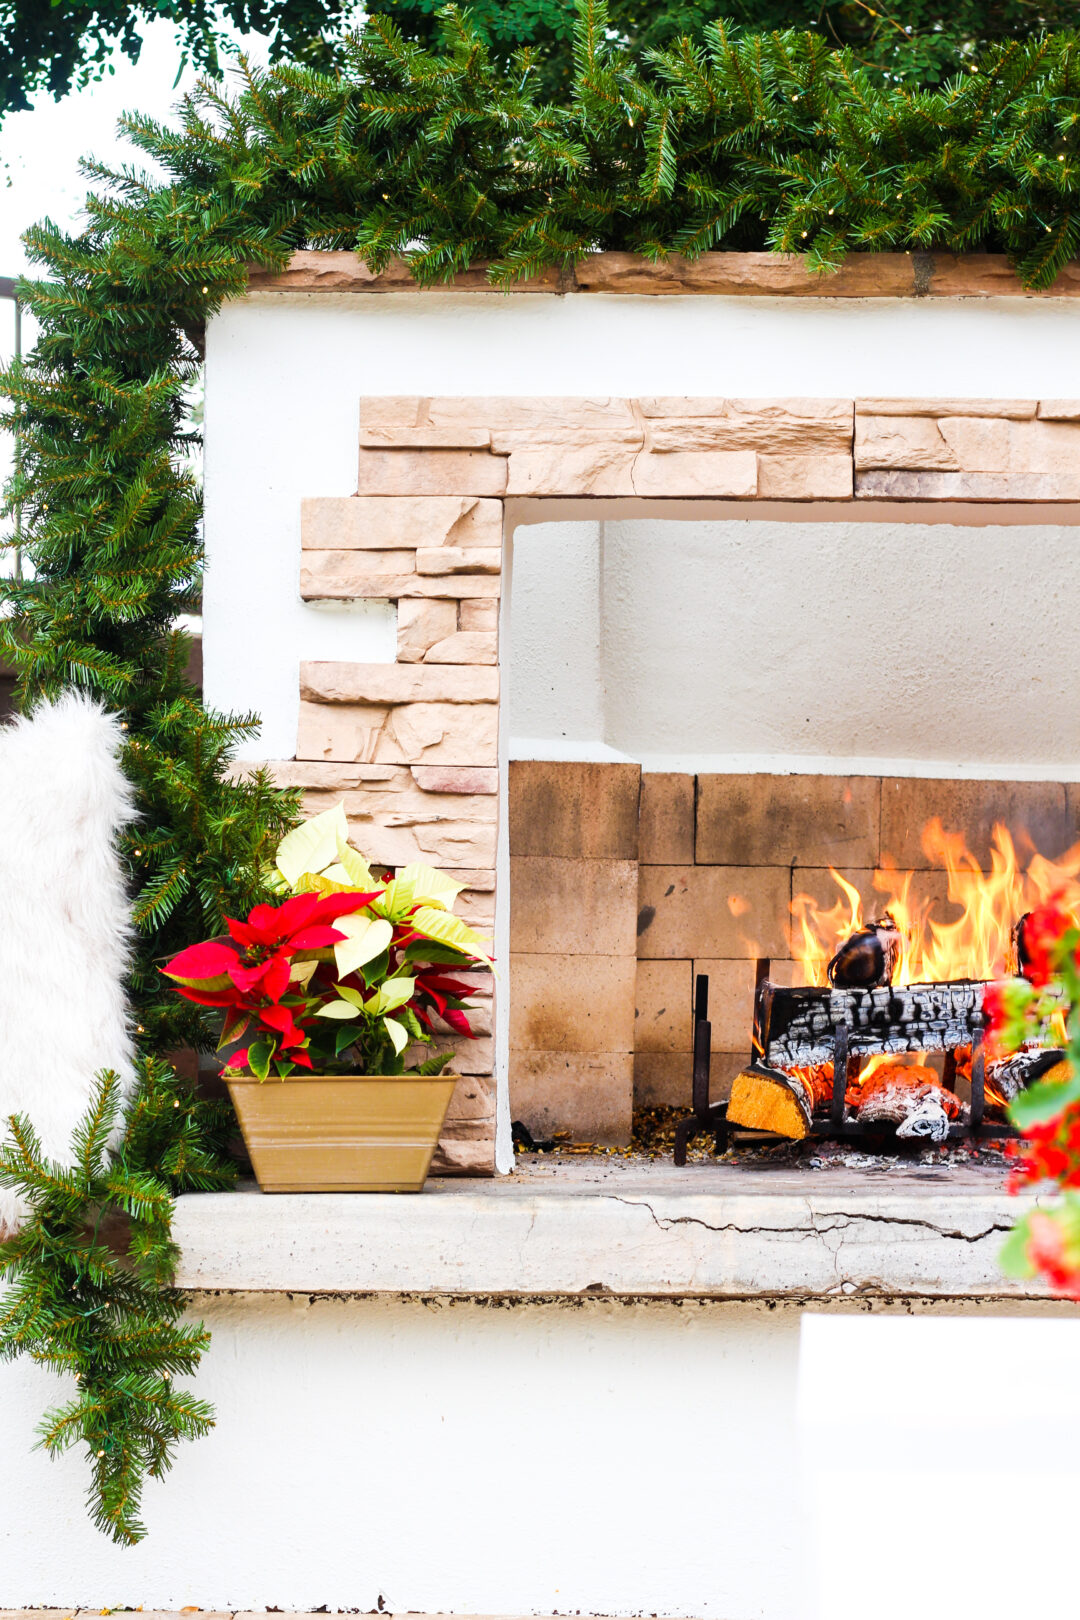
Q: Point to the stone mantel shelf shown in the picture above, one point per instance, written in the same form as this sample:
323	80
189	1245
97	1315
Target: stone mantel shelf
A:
606	1228
729	275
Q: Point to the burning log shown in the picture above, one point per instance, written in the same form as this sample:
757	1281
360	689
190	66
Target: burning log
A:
909	1099
867	958
1012	1075
798	1026
763	1099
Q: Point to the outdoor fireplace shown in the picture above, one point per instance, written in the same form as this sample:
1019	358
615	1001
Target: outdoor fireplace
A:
881	1038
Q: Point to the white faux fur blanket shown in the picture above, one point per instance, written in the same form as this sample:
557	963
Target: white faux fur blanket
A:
65	926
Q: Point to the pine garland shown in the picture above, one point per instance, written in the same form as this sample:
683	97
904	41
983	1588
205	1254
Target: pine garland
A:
446	158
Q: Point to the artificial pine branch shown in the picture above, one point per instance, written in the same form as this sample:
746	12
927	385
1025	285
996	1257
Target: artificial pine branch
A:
88	1279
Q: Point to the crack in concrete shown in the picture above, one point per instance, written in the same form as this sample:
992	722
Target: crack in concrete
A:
842	1219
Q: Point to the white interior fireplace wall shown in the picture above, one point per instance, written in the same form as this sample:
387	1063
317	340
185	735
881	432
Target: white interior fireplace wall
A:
906	648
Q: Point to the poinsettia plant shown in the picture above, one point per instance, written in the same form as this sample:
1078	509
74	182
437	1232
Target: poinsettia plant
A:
346	973
1043	1008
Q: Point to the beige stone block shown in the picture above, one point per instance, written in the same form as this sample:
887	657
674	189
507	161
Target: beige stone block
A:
477	908
331	576
474	1098
404	802
573	907
696	472
731	998
384	841
666	819
459	560
479	879
764	820
1037	809
424	438
1016	409
366	565
481	981
1059	410
535	417
475	1157
662	1007
902	441
779	427
472	1057
665	1079
571	1004
405	823
337	779
396	683
591	1095
574	809
804	478
465	647
421	624
602	467
431	472
340	270
389	522
994	446
753	275
967	486
455	779
476	615
715	911
412	733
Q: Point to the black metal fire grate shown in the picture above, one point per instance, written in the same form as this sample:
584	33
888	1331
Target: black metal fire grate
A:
806	1025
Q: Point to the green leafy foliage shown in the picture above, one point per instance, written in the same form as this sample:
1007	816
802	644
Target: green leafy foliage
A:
921	42
51	47
88	1283
54	44
445	156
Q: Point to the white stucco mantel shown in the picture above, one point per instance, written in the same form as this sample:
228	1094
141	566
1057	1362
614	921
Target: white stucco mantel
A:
606	1228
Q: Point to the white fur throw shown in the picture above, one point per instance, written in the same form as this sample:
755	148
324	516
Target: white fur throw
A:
65	925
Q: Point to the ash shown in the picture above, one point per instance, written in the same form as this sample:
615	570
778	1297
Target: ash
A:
653	1140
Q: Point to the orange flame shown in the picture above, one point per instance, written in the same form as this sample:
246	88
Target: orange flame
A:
974	943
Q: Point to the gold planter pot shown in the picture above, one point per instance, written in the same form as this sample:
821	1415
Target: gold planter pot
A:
341	1132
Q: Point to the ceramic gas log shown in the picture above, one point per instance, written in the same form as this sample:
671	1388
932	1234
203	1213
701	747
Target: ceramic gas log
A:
798	1027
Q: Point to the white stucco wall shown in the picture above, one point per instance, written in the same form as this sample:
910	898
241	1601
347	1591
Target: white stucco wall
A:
588	1456
482	1459
285	373
907	648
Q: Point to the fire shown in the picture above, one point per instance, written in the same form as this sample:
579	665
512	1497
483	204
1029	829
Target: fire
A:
975	944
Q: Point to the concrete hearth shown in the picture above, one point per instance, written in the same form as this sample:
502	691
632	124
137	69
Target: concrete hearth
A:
602	1227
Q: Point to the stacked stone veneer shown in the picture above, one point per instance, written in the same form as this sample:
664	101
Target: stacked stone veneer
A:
413	745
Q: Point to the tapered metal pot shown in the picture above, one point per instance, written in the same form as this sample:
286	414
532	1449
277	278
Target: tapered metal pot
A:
341	1132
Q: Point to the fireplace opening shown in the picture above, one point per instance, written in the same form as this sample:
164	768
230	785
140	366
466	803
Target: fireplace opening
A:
901	812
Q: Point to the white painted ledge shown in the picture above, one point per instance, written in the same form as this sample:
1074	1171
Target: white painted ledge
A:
602	1227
